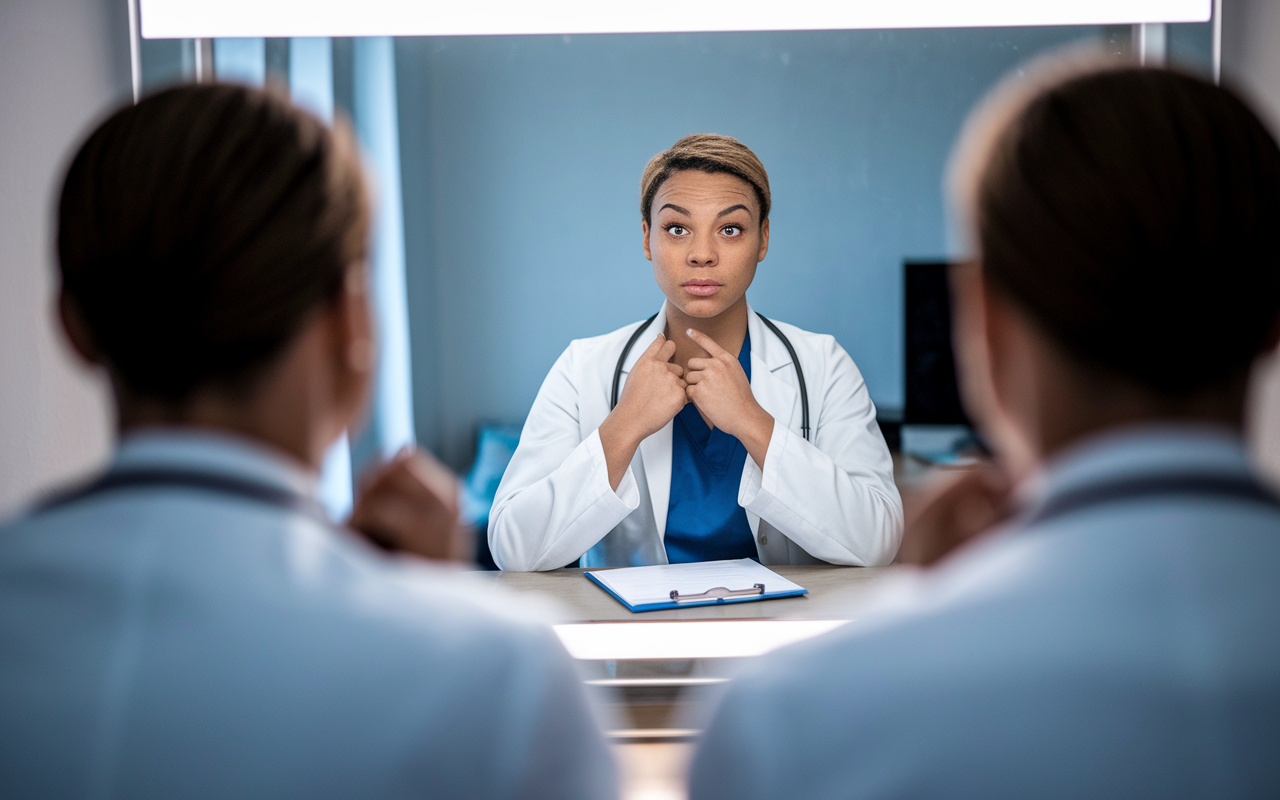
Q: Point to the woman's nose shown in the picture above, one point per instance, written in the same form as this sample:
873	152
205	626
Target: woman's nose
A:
703	252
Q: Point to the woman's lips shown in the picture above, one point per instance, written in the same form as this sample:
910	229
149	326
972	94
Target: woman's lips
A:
702	288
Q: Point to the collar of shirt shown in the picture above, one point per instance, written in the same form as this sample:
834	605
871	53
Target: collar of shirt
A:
1137	451
205	450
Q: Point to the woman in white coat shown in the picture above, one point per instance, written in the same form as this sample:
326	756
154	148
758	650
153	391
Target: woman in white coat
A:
695	435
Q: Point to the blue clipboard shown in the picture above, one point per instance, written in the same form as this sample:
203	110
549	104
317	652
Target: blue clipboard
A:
706	583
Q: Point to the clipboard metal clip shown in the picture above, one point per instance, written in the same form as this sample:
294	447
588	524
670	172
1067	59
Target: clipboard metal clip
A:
718	593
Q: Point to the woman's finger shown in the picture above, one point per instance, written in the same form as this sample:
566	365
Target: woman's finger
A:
656	345
706	343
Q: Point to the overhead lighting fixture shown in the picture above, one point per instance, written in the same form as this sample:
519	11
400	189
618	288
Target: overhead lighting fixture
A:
206	19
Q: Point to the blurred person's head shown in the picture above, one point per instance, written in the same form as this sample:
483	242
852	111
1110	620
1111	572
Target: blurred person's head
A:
704	211
1126	259
212	241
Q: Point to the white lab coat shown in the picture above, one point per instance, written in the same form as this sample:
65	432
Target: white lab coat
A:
1127	649
172	642
830	500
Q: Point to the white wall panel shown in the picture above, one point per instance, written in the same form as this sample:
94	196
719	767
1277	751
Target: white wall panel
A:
63	63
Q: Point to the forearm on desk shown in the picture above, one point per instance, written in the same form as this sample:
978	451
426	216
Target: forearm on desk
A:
852	518
542	522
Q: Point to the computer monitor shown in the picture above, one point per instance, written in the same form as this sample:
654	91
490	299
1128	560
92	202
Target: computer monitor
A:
932	395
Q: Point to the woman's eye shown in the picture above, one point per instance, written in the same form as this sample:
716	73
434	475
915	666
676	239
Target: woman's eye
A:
731	230
676	230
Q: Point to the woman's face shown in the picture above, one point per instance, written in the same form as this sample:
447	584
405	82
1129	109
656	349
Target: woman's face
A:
705	241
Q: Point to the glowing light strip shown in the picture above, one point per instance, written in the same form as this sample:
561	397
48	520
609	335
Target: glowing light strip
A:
627	641
169	19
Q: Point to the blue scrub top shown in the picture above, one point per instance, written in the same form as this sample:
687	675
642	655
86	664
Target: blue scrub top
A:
704	520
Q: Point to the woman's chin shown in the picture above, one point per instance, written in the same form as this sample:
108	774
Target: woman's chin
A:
702	307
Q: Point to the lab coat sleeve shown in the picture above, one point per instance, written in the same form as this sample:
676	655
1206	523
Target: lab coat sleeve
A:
834	497
555	502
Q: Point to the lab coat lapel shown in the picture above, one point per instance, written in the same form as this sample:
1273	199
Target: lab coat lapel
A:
655	456
769	360
656	327
655	451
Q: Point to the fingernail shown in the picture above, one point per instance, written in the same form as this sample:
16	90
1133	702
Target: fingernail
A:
689	332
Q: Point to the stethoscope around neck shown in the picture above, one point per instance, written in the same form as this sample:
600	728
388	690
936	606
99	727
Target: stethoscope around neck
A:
795	361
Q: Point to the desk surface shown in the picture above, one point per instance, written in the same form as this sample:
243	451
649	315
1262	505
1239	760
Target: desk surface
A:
834	593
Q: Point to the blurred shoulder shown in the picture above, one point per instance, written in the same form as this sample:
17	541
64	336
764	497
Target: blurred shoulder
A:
404	597
259	571
925	625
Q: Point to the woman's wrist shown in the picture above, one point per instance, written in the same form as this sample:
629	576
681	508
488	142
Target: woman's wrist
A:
756	434
621	430
619	441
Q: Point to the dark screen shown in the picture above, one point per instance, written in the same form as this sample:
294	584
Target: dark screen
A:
932	397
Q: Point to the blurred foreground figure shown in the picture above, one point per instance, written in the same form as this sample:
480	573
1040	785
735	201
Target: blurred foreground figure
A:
1117	636
190	624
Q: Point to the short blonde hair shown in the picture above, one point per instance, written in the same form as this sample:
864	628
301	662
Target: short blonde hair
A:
710	153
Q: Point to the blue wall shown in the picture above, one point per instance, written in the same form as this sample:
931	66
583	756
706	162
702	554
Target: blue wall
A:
521	159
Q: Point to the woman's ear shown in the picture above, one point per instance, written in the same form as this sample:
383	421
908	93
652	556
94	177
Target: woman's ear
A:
1016	359
644	242
968	336
354	353
357	322
764	241
985	335
77	331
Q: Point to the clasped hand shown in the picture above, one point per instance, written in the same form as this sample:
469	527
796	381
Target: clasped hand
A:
719	388
410	505
656	390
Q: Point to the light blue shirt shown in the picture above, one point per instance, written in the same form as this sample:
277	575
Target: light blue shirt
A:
1125	649
168	642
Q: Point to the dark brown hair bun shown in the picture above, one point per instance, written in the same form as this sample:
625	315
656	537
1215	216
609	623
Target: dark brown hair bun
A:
198	229
1135	215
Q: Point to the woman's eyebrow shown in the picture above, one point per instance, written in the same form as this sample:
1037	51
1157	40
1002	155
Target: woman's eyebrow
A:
676	209
732	209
